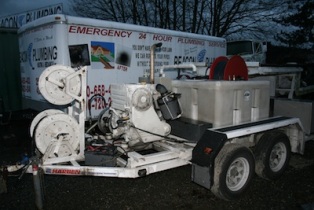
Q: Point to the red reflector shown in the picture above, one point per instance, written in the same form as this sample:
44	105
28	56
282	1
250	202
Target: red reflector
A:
35	167
208	150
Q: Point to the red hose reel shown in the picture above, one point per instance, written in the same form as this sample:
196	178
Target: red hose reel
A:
228	69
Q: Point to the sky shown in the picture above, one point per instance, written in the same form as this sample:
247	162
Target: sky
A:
12	7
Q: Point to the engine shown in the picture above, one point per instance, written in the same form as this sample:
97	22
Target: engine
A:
139	113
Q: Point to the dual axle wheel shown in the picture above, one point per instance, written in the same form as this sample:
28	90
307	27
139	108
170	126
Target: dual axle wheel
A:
235	165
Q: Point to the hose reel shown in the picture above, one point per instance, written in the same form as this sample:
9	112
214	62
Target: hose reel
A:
58	135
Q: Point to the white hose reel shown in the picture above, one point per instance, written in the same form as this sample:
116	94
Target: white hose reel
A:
57	134
58	86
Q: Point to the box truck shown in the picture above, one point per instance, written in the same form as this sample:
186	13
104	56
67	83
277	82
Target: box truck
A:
113	53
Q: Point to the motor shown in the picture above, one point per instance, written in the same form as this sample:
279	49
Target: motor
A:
138	113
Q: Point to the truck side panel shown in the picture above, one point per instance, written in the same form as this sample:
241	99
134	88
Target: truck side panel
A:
114	53
40	47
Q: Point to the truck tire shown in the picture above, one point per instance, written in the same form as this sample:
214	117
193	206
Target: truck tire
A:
272	155
233	172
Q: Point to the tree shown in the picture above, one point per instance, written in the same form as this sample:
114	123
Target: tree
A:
242	18
300	26
222	18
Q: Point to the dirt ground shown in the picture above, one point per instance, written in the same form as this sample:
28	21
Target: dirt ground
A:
172	189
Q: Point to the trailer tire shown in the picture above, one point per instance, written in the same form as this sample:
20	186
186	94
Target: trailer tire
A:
272	155
233	172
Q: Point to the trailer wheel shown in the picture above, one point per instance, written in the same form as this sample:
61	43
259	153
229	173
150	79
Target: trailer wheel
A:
234	170
272	155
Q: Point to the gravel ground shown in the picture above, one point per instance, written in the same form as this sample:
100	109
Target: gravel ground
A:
170	189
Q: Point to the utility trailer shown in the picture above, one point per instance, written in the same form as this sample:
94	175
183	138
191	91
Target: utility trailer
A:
220	125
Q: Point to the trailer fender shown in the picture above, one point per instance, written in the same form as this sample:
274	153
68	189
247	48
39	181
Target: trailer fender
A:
203	157
208	147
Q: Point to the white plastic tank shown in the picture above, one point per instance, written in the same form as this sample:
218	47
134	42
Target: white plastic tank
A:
223	103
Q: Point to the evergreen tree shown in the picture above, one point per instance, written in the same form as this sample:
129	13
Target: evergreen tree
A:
300	26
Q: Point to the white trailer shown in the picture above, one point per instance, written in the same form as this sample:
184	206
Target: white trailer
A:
220	125
113	53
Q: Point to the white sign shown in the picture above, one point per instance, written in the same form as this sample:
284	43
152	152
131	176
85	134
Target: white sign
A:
16	21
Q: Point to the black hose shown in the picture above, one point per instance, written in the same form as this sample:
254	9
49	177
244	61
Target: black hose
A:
90	102
166	137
